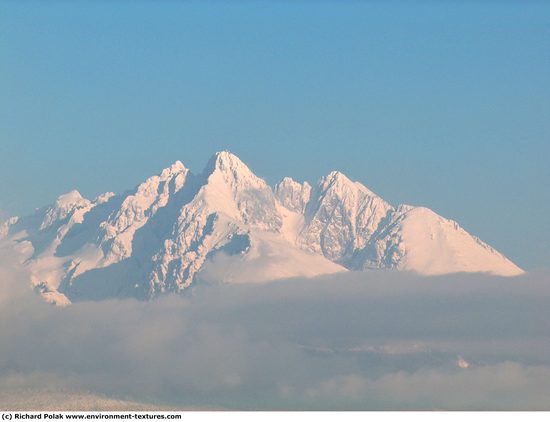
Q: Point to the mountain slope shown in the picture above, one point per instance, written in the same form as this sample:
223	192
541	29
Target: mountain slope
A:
227	224
417	239
340	217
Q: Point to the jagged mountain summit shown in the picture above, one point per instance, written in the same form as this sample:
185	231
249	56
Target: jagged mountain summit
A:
227	224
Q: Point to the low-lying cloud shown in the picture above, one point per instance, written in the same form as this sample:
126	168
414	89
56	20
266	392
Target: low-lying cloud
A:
374	340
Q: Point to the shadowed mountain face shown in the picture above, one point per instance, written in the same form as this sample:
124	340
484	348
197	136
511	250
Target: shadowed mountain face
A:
226	224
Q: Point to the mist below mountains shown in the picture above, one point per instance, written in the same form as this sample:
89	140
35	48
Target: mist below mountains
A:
355	340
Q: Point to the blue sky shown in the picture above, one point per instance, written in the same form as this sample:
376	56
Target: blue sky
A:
443	104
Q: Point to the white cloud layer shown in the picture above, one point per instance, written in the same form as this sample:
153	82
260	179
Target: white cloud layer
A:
349	341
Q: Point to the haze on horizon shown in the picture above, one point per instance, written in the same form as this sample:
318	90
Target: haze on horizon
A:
355	341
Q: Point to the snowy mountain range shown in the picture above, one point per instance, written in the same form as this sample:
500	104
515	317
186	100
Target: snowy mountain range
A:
227	224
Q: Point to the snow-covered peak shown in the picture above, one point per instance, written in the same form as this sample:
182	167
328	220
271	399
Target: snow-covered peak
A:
226	161
231	188
338	182
341	216
333	178
420	240
290	183
336	175
293	195
159	236
336	187
69	199
174	169
403	208
230	202
149	190
62	207
136	209
225	168
104	197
